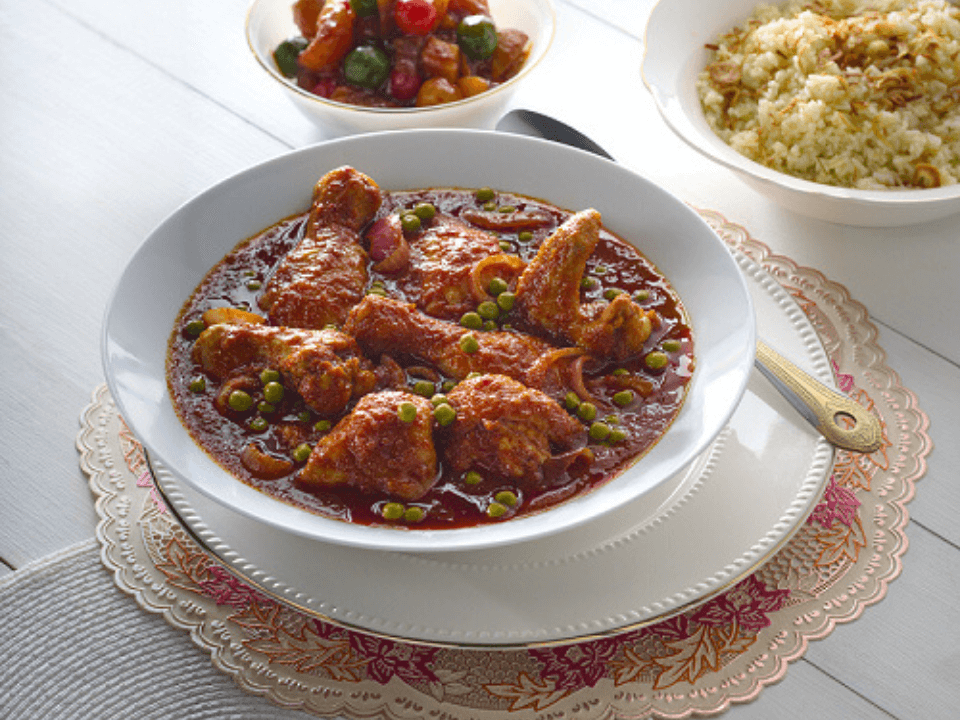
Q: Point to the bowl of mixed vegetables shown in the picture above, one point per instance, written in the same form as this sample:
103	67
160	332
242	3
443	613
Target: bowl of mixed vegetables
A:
356	66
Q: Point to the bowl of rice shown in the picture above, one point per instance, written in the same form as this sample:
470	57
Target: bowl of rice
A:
843	110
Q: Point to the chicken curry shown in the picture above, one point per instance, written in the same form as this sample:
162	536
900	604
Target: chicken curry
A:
437	358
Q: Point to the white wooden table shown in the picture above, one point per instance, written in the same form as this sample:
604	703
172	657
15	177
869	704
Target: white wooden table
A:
113	113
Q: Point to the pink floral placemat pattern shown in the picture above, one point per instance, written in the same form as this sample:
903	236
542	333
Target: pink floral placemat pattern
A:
724	651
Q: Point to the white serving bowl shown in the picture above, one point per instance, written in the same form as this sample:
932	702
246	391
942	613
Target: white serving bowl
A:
174	258
674	55
270	22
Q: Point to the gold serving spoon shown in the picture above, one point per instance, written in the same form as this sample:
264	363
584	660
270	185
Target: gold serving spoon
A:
843	422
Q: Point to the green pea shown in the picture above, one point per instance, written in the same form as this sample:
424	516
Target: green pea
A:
496	510
439	399
413	514
269	376
616	435
240	401
367	66
506	497
671	345
477	37
473	375
489	325
301	452
588	283
600	269
376	290
497	286
364	8
506	300
624	397
286	54
485	194
469	343
525	236
303	416
471	320
448	385
444	414
599	431
407	412
424	388
656	360
505	246
488	310
195	327
506	209
265	407
259	424
492	205
611	293
409	222
472	477
620	372
273	392
254	285
198	384
641	295
322	426
587	411
572	400
425	210
392	511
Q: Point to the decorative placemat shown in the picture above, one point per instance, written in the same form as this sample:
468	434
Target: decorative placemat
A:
721	652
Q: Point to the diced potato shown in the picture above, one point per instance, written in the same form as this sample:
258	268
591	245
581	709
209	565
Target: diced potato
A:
469	7
473	85
437	91
305	14
334	36
440	59
510	54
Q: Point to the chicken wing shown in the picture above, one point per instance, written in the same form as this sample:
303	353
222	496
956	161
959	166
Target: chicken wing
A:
508	430
376	449
385	325
548	295
326	274
324	366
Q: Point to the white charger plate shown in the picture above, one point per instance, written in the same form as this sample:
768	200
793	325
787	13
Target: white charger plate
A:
708	527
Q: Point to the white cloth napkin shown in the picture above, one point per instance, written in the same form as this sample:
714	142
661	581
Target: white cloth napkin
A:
72	645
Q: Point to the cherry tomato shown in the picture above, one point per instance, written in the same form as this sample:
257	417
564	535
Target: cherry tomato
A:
325	87
403	85
415	17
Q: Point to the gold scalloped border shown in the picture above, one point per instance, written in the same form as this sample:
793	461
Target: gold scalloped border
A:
849	338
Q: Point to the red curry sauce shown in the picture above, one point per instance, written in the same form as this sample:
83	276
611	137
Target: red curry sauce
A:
239	277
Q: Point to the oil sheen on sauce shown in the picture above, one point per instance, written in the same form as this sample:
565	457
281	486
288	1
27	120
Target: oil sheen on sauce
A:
237	280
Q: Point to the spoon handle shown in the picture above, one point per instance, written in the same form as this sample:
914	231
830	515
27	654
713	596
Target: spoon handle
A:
839	419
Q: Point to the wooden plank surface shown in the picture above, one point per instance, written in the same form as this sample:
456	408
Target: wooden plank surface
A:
123	111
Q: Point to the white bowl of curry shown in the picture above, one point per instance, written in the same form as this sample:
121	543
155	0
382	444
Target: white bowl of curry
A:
429	340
